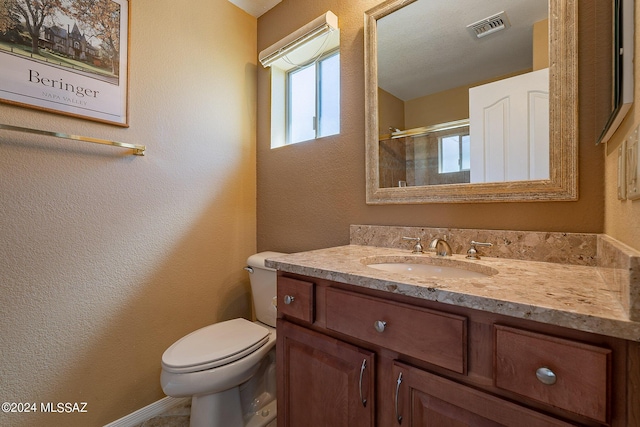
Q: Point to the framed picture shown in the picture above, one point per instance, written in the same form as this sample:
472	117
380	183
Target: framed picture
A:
66	56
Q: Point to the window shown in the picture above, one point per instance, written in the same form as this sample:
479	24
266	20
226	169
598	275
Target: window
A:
305	82
313	101
454	153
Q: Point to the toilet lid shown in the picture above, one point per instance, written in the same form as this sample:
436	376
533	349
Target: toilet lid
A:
214	345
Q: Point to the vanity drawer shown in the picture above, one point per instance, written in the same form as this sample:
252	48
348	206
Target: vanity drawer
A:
296	298
431	336
581	384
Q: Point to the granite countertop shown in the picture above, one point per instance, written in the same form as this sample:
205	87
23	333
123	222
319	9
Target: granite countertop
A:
571	296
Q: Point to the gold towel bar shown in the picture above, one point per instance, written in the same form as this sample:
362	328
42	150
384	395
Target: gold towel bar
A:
138	150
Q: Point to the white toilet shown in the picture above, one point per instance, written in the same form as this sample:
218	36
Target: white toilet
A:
228	368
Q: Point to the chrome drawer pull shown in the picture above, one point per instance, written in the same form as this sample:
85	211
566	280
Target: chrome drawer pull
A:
398	416
546	376
380	325
288	299
362	399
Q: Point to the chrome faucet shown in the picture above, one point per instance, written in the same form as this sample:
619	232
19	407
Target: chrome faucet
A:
417	248
440	246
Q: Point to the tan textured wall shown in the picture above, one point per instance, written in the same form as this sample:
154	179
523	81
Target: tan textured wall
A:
541	45
390	112
441	107
106	259
622	217
309	194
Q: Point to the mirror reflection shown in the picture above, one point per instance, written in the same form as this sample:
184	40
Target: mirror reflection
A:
463	92
421	128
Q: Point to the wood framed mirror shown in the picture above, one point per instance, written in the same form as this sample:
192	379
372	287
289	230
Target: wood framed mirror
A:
562	182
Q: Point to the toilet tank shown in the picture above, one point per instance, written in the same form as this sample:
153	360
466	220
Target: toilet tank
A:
263	287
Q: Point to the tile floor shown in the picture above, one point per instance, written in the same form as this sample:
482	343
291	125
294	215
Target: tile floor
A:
177	416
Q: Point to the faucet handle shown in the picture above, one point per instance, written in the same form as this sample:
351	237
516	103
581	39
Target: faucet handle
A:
417	248
472	253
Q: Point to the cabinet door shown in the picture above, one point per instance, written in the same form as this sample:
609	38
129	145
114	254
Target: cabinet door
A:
423	399
322	382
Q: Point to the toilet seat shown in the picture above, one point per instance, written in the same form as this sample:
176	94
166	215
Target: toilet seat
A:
214	345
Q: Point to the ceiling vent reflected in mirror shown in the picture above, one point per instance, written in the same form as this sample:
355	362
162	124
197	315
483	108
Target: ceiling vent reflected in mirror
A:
490	25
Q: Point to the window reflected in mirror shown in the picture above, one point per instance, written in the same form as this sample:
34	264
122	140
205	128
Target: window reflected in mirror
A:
429	158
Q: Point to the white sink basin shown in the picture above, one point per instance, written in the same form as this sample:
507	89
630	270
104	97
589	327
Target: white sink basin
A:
429	267
425	270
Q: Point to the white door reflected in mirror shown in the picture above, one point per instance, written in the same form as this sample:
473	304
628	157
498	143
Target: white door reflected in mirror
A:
509	128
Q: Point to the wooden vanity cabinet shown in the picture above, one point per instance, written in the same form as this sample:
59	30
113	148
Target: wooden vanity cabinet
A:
351	356
326	382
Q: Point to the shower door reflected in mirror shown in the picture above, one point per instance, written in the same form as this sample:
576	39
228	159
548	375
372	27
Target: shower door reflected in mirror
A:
428	67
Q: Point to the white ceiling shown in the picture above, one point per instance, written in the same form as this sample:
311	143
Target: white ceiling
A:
255	7
430	49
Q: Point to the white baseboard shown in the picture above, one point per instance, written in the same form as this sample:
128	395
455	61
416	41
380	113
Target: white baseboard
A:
149	411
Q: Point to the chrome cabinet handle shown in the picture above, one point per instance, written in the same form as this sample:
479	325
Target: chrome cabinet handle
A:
546	376
364	365
380	325
398	382
288	299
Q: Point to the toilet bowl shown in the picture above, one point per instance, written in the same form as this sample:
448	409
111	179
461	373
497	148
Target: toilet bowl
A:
228	368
